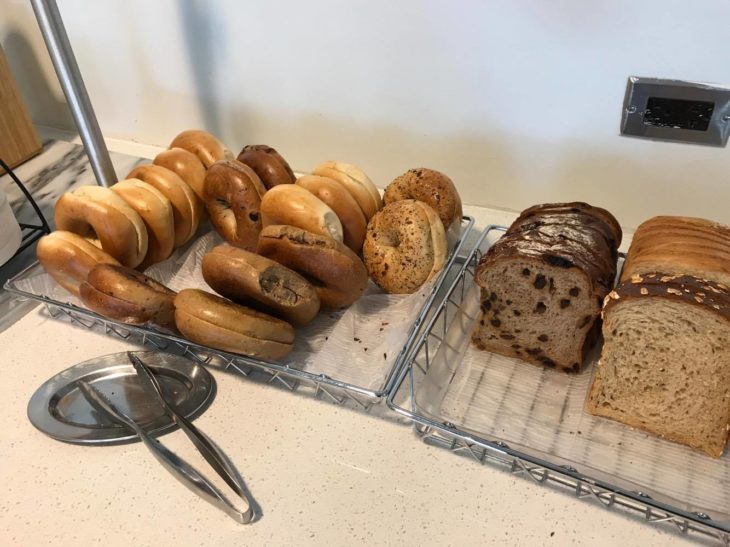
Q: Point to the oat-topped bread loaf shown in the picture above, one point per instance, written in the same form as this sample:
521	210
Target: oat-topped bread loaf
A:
665	363
543	284
685	245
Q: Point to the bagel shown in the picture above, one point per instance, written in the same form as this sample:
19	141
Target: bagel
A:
156	212
186	165
68	258
405	246
337	198
431	187
233	195
255	281
213	321
127	295
295	206
204	145
268	164
187	209
356	182
98	213
338	275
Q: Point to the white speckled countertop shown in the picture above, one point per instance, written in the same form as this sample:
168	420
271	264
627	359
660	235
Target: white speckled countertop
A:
323	474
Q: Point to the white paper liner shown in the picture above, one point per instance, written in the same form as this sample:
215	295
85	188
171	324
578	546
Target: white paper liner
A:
357	345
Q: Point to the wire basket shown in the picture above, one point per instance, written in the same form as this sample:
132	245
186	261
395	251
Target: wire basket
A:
337	388
531	421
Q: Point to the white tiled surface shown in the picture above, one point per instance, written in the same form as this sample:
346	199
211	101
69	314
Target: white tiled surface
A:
323	474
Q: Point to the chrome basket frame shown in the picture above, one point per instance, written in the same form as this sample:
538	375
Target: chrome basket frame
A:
319	386
540	470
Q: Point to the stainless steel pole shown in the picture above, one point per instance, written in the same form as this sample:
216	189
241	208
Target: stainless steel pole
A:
54	33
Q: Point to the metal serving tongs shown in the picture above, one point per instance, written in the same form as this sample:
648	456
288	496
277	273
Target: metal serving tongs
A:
183	471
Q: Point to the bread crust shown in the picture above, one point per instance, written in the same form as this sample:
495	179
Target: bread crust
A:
256	281
431	187
68	258
127	295
204	145
213	321
293	205
679	245
184	164
338	275
233	194
120	230
156	212
566	235
268	164
685	289
187	209
405	246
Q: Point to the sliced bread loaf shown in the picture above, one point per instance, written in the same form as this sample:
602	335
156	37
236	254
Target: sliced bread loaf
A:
665	363
685	245
543	284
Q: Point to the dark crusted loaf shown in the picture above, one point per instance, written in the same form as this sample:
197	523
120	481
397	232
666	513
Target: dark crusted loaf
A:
665	362
544	281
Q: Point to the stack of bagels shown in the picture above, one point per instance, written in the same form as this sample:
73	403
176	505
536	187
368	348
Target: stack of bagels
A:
293	246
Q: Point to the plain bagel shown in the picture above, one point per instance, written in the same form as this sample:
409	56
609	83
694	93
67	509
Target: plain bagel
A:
356	182
256	281
233	194
127	295
295	206
213	321
338	275
187	209
156	212
431	187
204	145
98	213
337	198
405	246
186	165
268	164
68	258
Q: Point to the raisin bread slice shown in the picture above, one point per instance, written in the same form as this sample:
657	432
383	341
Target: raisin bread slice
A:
665	363
543	284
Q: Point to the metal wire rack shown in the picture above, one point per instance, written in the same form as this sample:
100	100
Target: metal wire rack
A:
320	386
537	468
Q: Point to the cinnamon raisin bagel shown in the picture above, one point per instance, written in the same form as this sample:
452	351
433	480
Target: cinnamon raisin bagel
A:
233	194
268	164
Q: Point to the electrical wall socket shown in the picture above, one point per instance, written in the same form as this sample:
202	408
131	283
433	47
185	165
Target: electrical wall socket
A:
675	110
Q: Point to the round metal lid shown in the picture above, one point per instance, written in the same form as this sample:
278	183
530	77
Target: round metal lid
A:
59	409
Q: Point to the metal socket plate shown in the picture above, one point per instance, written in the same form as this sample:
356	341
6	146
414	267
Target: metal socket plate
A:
695	112
59	409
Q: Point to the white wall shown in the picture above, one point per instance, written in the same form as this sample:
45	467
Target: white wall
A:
519	102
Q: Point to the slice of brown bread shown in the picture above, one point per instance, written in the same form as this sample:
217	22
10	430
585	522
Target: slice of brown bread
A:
544	282
665	363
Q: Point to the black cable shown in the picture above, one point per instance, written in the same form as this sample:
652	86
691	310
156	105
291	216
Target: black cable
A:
44	225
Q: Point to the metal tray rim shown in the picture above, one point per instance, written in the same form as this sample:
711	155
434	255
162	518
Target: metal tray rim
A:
540	470
150	335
